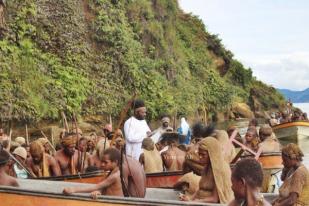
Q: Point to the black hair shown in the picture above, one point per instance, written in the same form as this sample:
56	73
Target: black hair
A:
4	157
202	130
114	154
249	169
138	103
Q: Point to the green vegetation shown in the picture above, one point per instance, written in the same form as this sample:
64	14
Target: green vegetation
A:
91	56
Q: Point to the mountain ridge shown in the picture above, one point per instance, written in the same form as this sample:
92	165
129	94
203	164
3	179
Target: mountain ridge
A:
295	96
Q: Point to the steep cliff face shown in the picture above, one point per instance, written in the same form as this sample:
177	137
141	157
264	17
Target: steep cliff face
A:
89	56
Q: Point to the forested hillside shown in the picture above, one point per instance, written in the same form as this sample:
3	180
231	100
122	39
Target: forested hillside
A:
90	56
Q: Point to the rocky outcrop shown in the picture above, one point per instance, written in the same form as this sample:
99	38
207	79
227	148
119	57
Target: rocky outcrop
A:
242	110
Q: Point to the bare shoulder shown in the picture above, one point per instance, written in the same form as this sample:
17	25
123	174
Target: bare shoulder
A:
233	203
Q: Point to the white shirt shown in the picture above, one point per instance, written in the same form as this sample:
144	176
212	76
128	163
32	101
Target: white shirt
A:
135	131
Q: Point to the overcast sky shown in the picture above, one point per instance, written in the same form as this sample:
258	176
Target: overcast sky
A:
270	36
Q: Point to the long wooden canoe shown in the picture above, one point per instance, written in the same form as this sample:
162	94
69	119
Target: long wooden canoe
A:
270	161
49	193
292	130
153	180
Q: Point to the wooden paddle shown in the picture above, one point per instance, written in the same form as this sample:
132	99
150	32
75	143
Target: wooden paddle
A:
243	148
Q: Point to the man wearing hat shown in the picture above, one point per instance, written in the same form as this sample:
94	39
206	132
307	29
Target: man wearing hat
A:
164	128
136	129
17	170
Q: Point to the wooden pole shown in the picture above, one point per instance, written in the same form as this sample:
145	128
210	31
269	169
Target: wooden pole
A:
65	122
52	136
27	135
50	144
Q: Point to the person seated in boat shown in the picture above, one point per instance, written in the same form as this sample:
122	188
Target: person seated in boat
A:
188	184
192	160
41	163
91	144
83	156
150	158
269	142
215	183
173	158
17	170
5	179
111	185
67	157
295	177
230	131
95	159
252	139
273	120
156	134
247	178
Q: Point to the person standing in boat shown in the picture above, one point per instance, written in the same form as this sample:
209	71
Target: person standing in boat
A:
150	158
5	179
295	176
136	129
215	183
164	128
185	131
95	158
252	139
83	155
41	163
269	142
247	178
67	157
173	158
109	186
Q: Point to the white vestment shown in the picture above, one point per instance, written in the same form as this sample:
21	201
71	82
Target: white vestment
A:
135	131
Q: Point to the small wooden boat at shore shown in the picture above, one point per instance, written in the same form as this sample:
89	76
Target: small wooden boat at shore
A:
292	130
49	193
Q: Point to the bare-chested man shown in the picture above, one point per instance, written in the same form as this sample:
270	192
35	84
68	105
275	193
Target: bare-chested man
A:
95	159
173	158
83	155
67	157
5	179
112	184
41	163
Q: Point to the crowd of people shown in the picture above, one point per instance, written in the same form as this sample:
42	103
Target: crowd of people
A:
202	152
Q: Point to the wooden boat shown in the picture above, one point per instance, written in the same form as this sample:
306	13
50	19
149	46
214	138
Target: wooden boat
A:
270	162
153	180
49	193
292	130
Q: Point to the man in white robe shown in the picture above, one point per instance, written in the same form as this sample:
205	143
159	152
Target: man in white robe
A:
136	129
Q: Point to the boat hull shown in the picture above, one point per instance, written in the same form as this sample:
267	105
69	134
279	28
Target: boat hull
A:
292	131
49	193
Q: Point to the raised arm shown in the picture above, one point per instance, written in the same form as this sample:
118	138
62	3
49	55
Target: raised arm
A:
100	186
